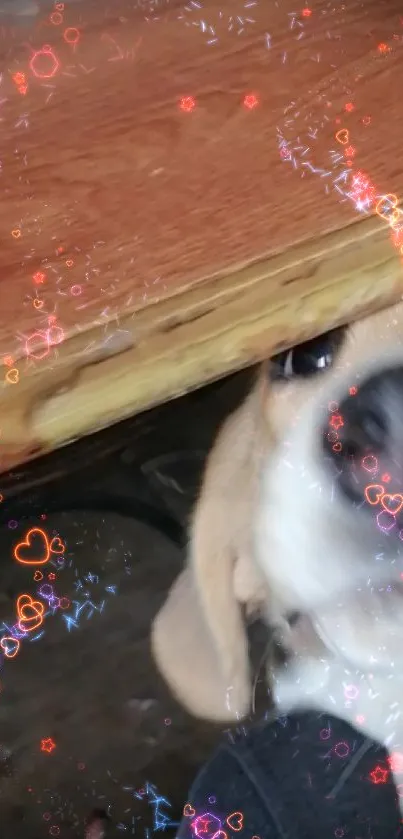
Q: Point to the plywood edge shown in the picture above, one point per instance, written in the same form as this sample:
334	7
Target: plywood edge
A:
222	324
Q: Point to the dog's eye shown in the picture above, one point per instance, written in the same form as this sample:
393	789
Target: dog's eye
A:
308	358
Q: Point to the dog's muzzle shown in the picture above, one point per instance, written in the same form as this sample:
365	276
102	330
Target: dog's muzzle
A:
363	441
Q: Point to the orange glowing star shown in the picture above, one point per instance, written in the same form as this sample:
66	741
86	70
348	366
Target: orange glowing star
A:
19	78
47	745
379	775
250	101
39	277
57	546
187	103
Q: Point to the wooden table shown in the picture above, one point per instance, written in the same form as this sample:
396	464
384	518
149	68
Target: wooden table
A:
174	207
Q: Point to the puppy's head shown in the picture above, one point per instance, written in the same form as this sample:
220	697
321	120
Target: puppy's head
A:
299	505
330	510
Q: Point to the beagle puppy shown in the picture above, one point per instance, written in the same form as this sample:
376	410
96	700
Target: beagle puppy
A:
300	520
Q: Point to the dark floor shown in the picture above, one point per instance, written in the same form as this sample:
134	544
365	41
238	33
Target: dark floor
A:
87	688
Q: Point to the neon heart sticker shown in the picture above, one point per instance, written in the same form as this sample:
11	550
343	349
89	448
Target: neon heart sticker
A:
373	493
392	503
235	821
34	549
10	646
57	546
12	376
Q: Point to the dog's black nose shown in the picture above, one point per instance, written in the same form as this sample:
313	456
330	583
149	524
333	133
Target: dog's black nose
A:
363	436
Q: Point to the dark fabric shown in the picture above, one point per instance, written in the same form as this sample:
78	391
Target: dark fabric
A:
303	777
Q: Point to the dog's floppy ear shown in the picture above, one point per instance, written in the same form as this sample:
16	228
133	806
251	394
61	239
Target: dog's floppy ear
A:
198	638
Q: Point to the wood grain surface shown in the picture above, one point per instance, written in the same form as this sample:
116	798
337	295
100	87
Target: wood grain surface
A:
180	199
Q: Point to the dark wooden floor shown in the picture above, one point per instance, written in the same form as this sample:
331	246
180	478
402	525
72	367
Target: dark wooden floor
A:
90	685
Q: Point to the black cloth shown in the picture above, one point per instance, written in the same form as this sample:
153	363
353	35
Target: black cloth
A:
307	776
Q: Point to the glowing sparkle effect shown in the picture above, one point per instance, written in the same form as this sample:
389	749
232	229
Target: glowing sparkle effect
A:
48	745
213	27
379	775
251	101
187	104
44	64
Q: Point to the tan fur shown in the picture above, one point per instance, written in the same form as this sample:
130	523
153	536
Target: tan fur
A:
198	638
96	829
